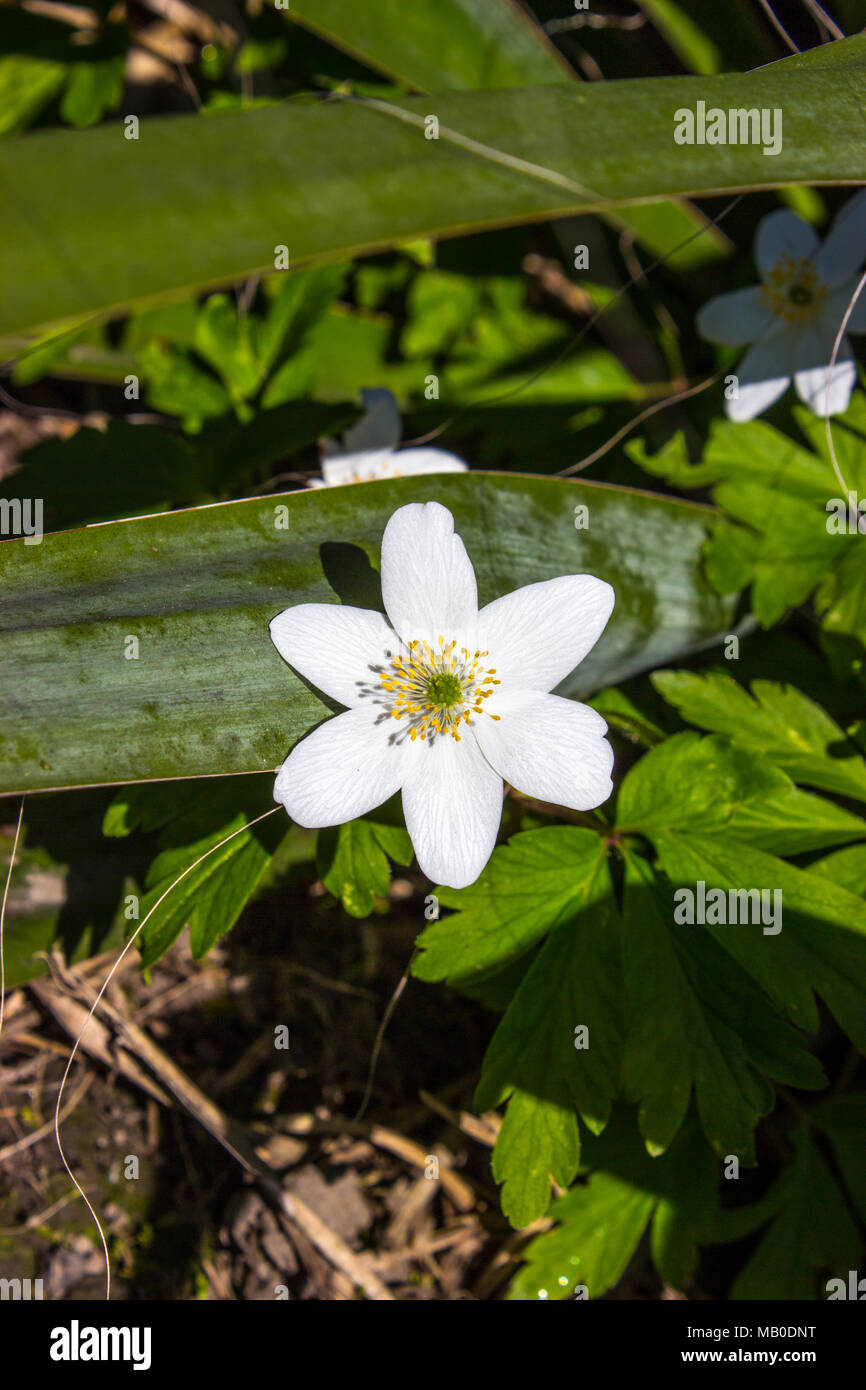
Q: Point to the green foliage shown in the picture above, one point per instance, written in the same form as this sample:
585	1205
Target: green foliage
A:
197	589
785	530
601	1220
353	862
775	721
194	819
164	198
674	985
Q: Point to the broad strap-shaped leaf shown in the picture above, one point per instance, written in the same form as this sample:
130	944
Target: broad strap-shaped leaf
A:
207	691
487	44
147	218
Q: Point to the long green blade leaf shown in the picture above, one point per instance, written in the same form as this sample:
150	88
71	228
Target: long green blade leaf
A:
140	649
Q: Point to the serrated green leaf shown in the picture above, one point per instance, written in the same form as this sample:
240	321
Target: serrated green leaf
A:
813	1231
600	1225
817	943
774	721
538	1141
600	1222
691	782
697	1023
195	818
843	1119
778	534
559	1039
357	868
534	883
847	867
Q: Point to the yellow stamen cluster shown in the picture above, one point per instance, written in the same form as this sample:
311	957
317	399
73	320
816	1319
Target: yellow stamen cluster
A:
793	290
438	689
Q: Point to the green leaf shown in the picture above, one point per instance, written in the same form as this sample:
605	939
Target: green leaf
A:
600	1221
558	1043
147	218
780	501
356	855
697	1023
537	1142
534	883
623	715
26	85
695	50
843	1119
92	90
691	782
208	692
61	892
847	867
813	1231
574	983
821	943
440	45
775	721
211	896
841	604
598	1229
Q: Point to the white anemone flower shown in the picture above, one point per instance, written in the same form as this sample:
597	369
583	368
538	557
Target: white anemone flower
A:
445	701
792	318
369	449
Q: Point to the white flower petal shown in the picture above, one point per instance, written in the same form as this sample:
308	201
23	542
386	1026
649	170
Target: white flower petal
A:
379	427
452	801
341	770
783	233
551	749
408	461
763	375
334	646
824	392
844	249
428	583
538	634
339	469
836	307
736	318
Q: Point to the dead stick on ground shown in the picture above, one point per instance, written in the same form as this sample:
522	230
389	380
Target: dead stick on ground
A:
235	1140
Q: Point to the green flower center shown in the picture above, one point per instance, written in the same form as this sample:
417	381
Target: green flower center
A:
438	689
793	290
444	690
799	294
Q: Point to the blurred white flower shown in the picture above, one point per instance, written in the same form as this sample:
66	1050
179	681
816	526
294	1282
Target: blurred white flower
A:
369	449
792	318
445	701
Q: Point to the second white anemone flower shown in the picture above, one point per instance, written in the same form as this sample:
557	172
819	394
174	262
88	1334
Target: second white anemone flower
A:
445	701
793	317
369	450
